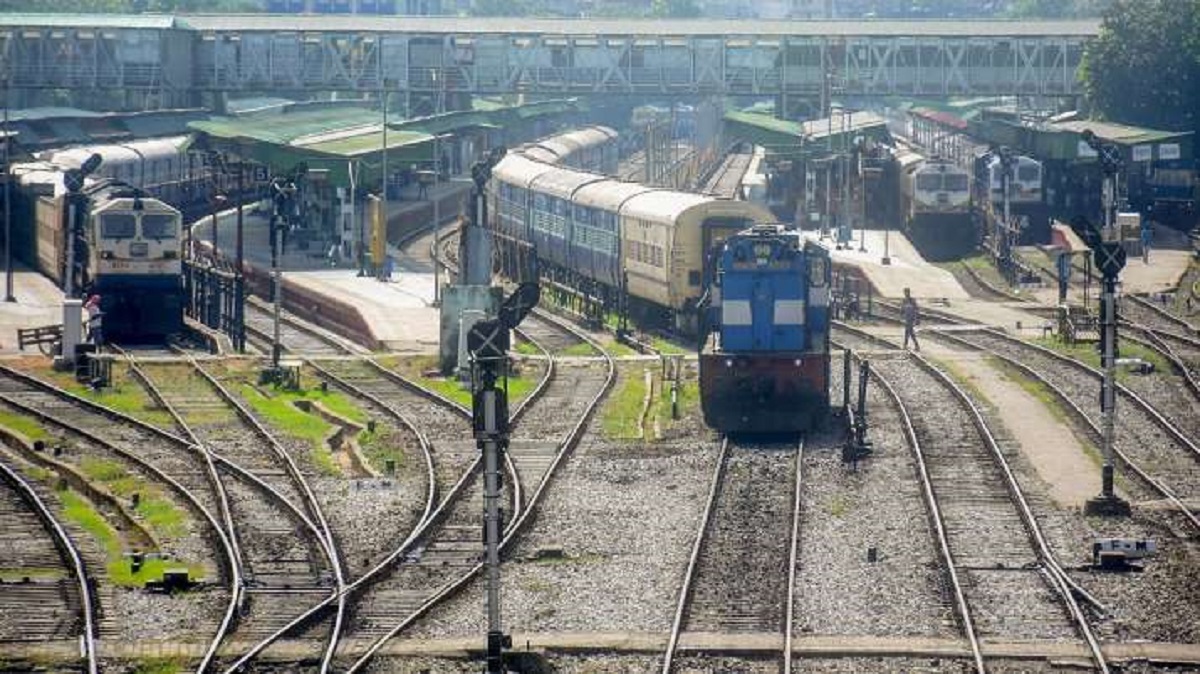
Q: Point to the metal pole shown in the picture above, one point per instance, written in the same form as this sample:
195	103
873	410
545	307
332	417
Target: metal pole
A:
8	260
215	205
383	202
239	282
277	278
437	223
69	281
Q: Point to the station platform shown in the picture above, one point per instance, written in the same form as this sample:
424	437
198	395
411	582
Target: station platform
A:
397	314
907	269
38	302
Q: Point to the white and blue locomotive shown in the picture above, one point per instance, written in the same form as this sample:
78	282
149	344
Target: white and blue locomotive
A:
764	365
134	264
127	247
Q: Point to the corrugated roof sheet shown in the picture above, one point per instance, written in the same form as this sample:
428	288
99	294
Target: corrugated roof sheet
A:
37	20
366	143
285	128
1118	133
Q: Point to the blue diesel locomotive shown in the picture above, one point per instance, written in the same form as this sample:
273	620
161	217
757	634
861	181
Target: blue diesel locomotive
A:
764	362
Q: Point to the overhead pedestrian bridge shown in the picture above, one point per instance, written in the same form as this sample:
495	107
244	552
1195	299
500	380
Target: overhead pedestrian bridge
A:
178	57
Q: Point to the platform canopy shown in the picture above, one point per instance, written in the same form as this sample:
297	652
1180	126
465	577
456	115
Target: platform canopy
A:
805	140
349	139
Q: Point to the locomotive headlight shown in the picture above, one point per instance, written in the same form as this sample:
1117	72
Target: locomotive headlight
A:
728	362
106	255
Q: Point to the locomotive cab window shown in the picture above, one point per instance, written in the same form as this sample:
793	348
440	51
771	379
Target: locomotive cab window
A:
956	182
118	226
929	181
816	271
158	226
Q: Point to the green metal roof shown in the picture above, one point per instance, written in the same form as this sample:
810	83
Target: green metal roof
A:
793	139
1119	133
366	143
288	127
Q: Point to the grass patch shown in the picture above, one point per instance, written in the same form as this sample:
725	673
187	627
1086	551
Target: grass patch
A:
160	666
689	400
668	348
154	509
839	506
527	349
16	575
81	511
381	446
623	409
124	395
617	349
278	410
22	424
1088	354
581	349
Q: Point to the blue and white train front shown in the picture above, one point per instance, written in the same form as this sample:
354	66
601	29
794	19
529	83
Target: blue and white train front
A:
765	366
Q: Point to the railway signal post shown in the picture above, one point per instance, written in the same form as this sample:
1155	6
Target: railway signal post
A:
1110	258
487	344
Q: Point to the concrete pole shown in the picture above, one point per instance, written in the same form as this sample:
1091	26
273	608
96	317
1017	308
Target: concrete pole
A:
437	223
383	202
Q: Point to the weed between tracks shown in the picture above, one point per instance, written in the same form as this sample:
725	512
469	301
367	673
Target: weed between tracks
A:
279	412
422	371
1087	353
84	514
22	424
154	509
125	395
621	419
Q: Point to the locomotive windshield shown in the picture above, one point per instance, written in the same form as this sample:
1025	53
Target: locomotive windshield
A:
929	181
955	182
1028	173
118	226
158	226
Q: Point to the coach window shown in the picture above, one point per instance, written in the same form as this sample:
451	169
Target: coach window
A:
816	271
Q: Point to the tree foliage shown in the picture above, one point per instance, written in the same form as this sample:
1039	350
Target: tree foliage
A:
674	9
1058	9
1144	67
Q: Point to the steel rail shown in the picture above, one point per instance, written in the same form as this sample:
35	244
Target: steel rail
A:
324	535
1162	489
1151	340
793	558
230	539
418	533
1146	407
689	576
939	528
78	569
230	465
1033	530
1163	314
518	523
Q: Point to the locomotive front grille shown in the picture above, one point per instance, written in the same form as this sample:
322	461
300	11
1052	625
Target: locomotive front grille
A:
139	249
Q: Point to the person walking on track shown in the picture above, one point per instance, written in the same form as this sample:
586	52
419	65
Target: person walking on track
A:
911	315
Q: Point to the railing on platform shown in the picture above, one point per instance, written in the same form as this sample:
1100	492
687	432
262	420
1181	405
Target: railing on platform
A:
216	298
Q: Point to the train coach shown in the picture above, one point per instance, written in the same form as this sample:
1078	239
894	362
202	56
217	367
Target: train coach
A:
764	366
593	148
611	239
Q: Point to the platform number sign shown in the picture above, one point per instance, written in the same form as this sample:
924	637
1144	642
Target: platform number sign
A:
1110	258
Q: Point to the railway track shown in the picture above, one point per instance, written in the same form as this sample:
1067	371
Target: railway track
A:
742	572
289	560
1006	580
441	555
1167	462
160	456
57	601
1144	312
296	336
727	179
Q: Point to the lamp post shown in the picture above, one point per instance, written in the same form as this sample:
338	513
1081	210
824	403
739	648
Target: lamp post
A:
437	224
8	261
